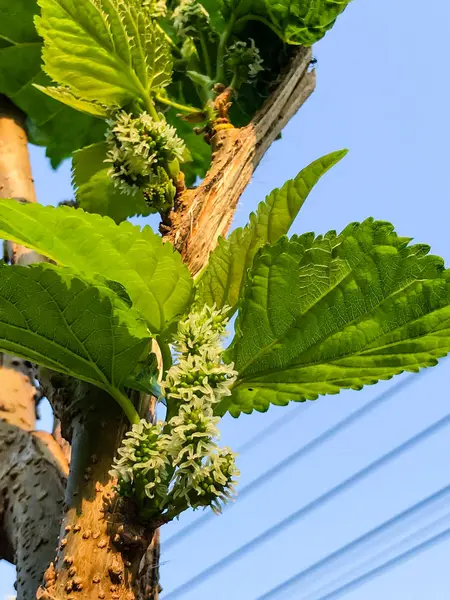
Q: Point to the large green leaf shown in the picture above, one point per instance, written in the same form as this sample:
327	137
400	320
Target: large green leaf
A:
106	51
16	22
95	190
65	96
50	123
338	311
155	278
56	319
223	280
295	21
217	21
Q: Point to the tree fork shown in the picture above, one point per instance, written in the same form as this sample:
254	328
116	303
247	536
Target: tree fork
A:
205	213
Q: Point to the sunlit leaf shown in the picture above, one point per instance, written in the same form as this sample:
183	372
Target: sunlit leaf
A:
320	314
152	273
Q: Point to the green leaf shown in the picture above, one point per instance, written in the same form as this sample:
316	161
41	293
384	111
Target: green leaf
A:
295	21
95	190
145	377
64	132
200	79
217	21
105	51
65	96
223	280
16	21
153	275
56	319
50	123
338	311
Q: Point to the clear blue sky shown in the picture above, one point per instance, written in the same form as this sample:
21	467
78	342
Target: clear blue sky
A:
383	93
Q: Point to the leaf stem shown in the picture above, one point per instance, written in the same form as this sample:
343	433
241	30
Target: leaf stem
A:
205	53
169	40
125	404
182	107
260	19
222	47
151	108
166	355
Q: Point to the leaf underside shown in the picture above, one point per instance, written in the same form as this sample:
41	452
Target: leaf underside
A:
69	325
337	311
65	96
153	275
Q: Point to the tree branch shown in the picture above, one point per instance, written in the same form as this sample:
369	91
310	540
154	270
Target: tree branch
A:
205	213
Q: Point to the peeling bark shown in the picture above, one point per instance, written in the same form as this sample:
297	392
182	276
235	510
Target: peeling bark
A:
205	213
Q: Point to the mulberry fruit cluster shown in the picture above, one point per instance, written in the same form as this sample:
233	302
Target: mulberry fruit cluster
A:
243	62
178	464
144	155
190	17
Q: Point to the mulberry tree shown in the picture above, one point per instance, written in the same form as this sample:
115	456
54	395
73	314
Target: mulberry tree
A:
166	108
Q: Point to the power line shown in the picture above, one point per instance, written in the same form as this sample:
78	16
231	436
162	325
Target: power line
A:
273	428
302	452
373	536
314	504
411	541
388	565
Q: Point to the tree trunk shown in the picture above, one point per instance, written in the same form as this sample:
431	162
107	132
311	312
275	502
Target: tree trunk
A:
100	547
32	468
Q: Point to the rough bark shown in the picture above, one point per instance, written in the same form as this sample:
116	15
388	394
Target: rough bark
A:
205	213
32	484
32	468
101	543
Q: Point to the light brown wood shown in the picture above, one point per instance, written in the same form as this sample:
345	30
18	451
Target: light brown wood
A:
205	213
101	543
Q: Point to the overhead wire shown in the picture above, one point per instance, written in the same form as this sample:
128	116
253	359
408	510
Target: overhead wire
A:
370	541
288	521
388	565
417	537
278	424
302	452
